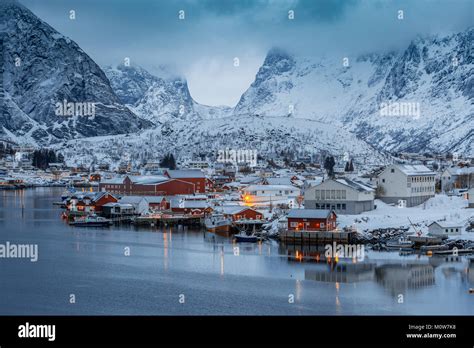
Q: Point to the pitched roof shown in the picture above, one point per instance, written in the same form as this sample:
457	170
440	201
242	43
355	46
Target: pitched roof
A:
460	171
185	173
279	181
250	179
415	169
233	209
309	213
148	179
445	224
357	185
100	194
115	180
270	188
131	199
154	199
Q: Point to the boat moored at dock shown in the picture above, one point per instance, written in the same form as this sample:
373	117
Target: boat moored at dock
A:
217	223
91	221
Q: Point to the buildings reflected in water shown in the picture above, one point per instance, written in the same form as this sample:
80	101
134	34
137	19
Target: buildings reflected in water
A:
397	278
395	275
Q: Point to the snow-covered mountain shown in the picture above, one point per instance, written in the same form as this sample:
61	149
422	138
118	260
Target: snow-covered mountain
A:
130	83
435	75
159	98
306	104
41	68
269	136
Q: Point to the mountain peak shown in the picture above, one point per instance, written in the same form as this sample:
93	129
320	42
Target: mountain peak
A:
54	69
278	55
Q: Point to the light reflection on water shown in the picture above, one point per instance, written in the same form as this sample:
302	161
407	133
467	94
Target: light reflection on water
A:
206	267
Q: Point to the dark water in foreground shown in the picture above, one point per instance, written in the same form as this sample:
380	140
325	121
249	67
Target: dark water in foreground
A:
165	265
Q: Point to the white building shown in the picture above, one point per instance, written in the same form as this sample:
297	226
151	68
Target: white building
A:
276	194
342	195
406	185
139	203
457	178
442	228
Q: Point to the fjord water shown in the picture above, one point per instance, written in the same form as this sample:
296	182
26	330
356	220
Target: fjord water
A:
181	271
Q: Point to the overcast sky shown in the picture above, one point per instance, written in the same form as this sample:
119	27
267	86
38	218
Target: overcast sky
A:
202	47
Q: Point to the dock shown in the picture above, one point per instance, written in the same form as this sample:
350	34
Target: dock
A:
454	252
317	237
168	220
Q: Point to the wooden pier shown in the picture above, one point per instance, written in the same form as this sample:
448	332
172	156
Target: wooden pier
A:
317	237
168	220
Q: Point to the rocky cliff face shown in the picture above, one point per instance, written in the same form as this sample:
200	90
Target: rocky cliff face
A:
432	79
41	68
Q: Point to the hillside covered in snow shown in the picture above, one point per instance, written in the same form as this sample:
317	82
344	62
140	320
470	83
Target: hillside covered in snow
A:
306	104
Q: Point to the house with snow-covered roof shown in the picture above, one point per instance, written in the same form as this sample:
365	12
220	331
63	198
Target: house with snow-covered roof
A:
257	194
443	228
147	185
457	178
406	185
341	195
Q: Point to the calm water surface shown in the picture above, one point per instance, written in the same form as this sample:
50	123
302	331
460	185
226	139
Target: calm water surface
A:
164	265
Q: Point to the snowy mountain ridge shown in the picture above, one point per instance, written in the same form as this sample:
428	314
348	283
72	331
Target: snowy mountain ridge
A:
309	104
433	75
436	73
41	68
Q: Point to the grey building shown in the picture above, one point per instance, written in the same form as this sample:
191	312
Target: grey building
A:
457	178
344	196
406	185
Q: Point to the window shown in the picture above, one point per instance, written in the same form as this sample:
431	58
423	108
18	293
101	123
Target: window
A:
293	224
333	194
392	170
322	224
338	206
318	194
338	194
383	180
343	194
343	206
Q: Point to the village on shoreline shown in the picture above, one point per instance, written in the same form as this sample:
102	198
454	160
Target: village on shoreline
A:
421	202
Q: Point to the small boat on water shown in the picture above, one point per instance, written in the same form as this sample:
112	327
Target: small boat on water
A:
91	221
217	223
245	238
400	244
434	247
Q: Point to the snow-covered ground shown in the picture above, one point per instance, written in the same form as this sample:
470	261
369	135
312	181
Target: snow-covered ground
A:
439	208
